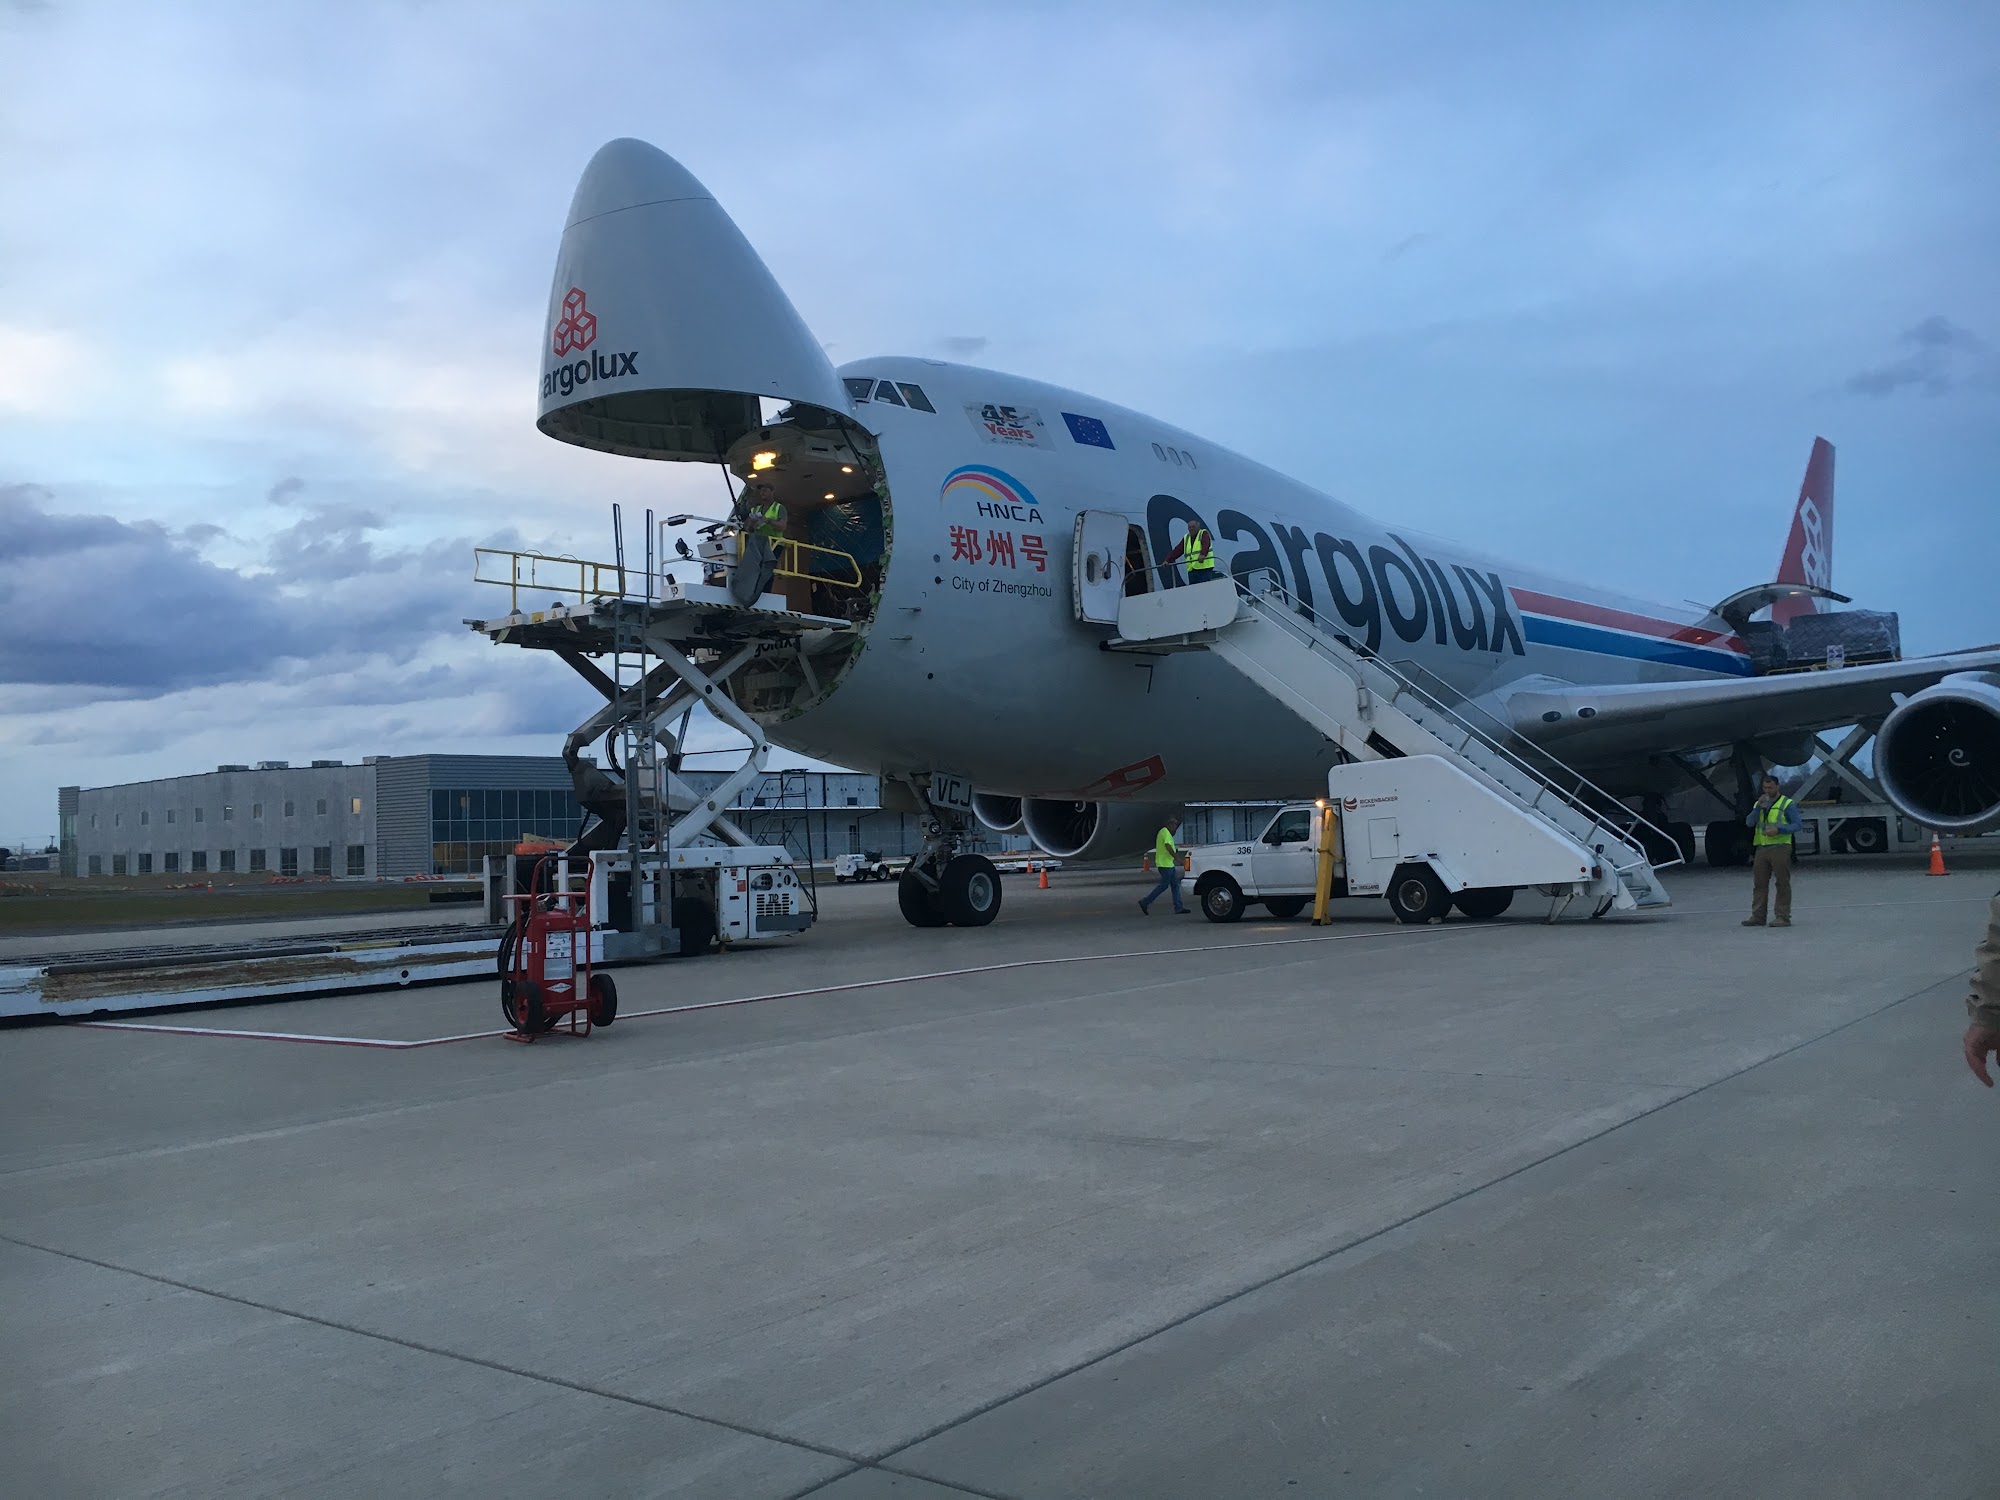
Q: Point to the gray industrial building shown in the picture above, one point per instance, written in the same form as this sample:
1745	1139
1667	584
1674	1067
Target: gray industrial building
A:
395	816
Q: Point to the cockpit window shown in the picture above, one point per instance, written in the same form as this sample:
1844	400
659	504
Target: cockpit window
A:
914	394
885	390
858	386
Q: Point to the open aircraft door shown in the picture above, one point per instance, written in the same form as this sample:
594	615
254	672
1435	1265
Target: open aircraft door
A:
1097	582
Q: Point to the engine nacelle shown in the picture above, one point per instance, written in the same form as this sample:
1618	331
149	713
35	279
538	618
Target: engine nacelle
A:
1001	814
1094	830
1938	755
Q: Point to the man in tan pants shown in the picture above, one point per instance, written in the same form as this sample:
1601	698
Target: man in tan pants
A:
1773	822
1982	1034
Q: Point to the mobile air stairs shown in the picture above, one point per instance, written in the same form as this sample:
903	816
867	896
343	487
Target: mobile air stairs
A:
1504	815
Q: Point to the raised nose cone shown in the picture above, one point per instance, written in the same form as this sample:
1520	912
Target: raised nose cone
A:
665	329
628	174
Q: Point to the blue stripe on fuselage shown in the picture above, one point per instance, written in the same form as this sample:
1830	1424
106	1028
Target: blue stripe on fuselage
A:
1543	631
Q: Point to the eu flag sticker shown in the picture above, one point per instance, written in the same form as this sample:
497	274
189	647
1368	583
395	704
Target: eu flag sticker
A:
1088	431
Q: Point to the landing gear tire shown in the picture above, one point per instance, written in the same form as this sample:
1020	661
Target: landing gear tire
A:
1221	900
603	1000
1659	850
1683	837
1727	844
1417	896
1284	908
694	918
1867	835
1483	904
919	903
969	891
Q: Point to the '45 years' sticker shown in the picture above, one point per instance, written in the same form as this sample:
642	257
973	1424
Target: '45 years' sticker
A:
1010	426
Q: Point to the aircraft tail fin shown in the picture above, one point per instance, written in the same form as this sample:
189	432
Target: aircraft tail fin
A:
1809	549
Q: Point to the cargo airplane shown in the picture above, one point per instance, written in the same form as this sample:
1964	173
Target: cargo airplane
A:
997	521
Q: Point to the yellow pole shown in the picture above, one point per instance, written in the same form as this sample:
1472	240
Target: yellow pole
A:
1329	826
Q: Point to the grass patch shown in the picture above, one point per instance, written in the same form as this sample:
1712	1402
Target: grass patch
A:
53	905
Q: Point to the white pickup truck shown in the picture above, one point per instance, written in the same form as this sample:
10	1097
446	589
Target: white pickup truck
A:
1281	867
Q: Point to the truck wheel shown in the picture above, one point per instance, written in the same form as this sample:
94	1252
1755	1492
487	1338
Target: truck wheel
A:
1867	835
1221	899
1284	908
603	1000
694	919
969	891
1483	904
1725	841
1417	896
920	907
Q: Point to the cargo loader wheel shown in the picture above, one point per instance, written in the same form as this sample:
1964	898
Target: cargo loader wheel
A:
603	1000
1220	898
1284	908
1417	896
919	903
1867	835
1482	904
969	891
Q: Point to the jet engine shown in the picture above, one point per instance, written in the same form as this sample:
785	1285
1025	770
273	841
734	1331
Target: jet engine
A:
1093	830
1001	814
1938	755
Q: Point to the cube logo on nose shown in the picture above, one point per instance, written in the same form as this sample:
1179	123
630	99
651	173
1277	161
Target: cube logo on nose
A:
577	327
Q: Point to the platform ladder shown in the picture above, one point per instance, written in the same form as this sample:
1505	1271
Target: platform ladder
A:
1373	710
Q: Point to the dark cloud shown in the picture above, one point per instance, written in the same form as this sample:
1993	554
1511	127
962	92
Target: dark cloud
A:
1942	356
963	343
132	609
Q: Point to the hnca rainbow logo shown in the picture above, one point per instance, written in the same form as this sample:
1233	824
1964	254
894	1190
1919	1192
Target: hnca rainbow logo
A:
992	492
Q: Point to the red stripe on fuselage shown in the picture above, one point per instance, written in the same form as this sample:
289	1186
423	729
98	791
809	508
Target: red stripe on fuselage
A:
1618	619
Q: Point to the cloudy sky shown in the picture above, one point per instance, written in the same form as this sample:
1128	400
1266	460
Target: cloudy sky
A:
1578	281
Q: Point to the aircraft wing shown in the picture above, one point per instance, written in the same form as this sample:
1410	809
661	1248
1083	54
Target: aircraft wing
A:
1591	724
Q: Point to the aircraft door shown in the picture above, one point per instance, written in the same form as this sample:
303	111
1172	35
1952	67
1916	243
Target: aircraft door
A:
1284	859
1097	581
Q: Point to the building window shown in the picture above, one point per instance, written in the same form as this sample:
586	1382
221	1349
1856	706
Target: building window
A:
173	864
288	861
228	813
256	810
145	817
354	806
289	808
200	814
145	864
93	820
323	859
170	815
117	864
257	865
198	861
225	861
117	819
357	859
97	864
853	801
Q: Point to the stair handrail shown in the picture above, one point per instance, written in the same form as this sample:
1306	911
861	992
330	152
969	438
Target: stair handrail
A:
1315	630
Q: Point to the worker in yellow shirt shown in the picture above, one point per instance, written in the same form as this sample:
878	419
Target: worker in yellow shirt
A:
1166	860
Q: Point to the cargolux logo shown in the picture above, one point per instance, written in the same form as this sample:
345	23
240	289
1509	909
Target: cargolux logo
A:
576	329
1812	556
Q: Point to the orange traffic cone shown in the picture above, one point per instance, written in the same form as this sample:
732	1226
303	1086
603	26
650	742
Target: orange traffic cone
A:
1044	868
1937	857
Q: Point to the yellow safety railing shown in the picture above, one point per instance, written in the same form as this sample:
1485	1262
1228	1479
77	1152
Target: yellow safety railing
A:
792	557
542	574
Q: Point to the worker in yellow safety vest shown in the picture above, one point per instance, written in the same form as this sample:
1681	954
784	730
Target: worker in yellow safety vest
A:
761	523
1197	551
1167	861
1773	823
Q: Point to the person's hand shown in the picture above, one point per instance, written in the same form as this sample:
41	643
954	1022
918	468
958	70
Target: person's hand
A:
1980	1042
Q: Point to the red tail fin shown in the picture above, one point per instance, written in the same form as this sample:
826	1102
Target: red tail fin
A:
1809	549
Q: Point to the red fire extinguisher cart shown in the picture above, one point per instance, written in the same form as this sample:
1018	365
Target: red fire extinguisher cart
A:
545	971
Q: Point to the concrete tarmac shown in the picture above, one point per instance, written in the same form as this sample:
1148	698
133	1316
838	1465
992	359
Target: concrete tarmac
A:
1082	1204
